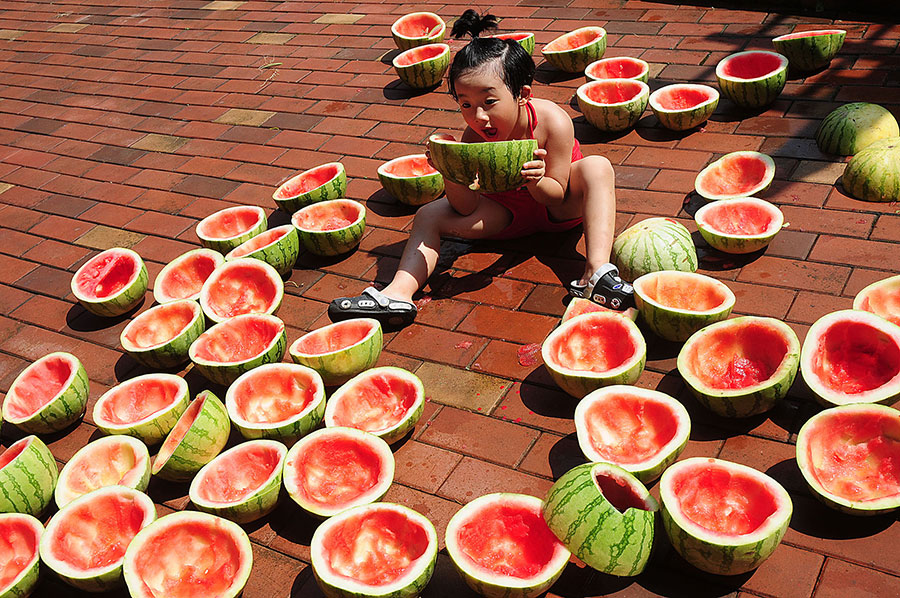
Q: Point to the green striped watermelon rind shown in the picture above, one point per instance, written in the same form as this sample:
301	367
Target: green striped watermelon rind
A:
172	352
63	495
125	299
685	118
716	553
225	244
281	254
576	59
153	428
734	243
339	586
338	366
613	117
67	407
259	503
411	190
497	165
104	578
811	52
757	92
523	38
614	542
225	373
330	243
874	173
404	42
28	480
171	270
426	73
709	170
853	127
335	188
578	383
194	447
22	585
677	324
211	285
753	400
654	244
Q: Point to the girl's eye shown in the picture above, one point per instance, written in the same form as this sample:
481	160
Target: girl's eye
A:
465	105
490	101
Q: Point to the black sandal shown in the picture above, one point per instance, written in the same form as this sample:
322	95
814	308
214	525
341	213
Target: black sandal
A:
372	303
605	288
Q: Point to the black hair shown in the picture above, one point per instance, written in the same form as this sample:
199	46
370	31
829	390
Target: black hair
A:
514	65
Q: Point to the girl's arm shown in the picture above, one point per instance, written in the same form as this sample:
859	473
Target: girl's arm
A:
548	174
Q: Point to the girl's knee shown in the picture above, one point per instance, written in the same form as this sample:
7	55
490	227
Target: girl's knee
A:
591	167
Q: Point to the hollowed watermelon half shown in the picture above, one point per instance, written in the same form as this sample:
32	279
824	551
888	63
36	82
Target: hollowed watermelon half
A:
331	227
683	106
183	277
322	183
399	544
613	104
594	350
742	366
641	430
385	401
580	305
111	283
738	174
810	50
242	484
740	226
489	167
146	407
604	515
411	180
239	287
881	298
418	29
501	546
188	554
621	67
28	473
874	173
848	456
573	51
199	435
19	555
47	396
341	350
228	228
652	245
851	128
85	542
423	66
852	356
675	305
160	337
238	345
278	247
282	401
334	469
752	79
523	38
723	517
109	461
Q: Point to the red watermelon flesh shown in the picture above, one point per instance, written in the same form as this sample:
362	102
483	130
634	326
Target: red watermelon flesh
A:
756	351
334	338
417	25
334	216
594	346
229	223
682	292
165	323
519	36
241	288
738	175
683	98
107	274
109	464
378	403
234	475
739	218
883	300
855	357
613	92
574	40
752	66
18	548
307	181
39	385
133	402
420	54
631	430
237	340
275	395
616	68
259	241
409	167
811	33
621	492
185	281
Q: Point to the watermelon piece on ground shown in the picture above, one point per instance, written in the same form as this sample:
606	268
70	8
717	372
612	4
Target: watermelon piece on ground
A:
341	350
423	67
118	460
810	50
322	183
330	228
183	277
226	229
739	226
19	554
49	395
752	79
683	106
573	51
417	29
28	473
738	174
160	337
675	305
111	283
881	298
613	104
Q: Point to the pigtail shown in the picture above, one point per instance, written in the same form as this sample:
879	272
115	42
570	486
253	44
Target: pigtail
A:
473	24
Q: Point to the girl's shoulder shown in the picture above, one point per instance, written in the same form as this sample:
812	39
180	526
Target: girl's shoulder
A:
551	117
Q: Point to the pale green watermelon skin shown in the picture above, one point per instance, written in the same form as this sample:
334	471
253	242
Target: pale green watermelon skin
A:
425	73
157	428
592	529
281	255
172	353
404	42
205	439
23	585
575	60
497	164
523	38
63	411
27	482
332	189
615	117
411	190
874	173
339	366
812	52
654	244
225	374
677	325
329	243
851	128
686	118
752	93
223	246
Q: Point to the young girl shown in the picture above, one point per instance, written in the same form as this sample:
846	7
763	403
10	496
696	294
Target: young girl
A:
491	80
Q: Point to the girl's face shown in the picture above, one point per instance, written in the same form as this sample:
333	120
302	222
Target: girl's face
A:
488	107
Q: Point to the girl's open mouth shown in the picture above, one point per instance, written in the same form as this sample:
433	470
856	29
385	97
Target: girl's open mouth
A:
490	132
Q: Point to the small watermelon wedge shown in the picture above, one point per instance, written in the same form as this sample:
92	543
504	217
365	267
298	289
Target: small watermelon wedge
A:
199	435
160	337
237	345
341	350
322	183
118	460
881	298
752	79
332	227
613	104
740	226
278	247
29	471
411	180
146	407
240	287
523	38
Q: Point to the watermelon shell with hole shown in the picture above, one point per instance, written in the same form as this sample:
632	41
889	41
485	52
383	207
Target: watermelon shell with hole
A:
739	226
874	173
411	180
240	287
160	337
580	305
488	167
423	67
322	183
417	29
227	350
278	247
183	277
675	305
881	298
146	407
111	283
652	245
108	461
20	563
523	38
738	174
573	51
199	435
810	50
224	230
683	106
613	104
28	474
47	396
853	127
740	367
620	67
331	228
752	79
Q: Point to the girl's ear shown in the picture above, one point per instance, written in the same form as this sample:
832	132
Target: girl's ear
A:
524	95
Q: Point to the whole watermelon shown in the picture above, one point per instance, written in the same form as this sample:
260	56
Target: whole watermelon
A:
652	245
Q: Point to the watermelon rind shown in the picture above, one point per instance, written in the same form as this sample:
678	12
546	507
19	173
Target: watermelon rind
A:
579	382
882	298
614	116
60	411
22	584
488	167
255	505
682	119
596	71
182	571
810	50
153	427
715	552
329	243
755	92
334	188
28	474
169	352
225	244
712	169
640	424
414	190
280	253
57	541
297	425
738	243
226	372
434	35
218	311
121	301
172	273
494	584
523	38
296	485
616	542
579	305
410	585
851	128
652	245
382	381
673	322
874	173
718	349
574	60
881	429
199	435
342	361
423	67
103	471
877	340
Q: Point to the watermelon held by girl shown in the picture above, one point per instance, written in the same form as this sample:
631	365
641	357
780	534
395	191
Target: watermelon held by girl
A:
613	104
418	29
752	79
411	180
111	283
423	67
810	50
488	167
322	183
332	227
573	51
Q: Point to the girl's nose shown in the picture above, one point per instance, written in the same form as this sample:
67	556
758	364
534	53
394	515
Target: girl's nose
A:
480	114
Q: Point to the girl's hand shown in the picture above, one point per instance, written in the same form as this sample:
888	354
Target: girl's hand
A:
443	136
535	170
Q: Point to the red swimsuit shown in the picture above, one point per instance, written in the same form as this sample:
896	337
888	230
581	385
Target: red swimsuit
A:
528	216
